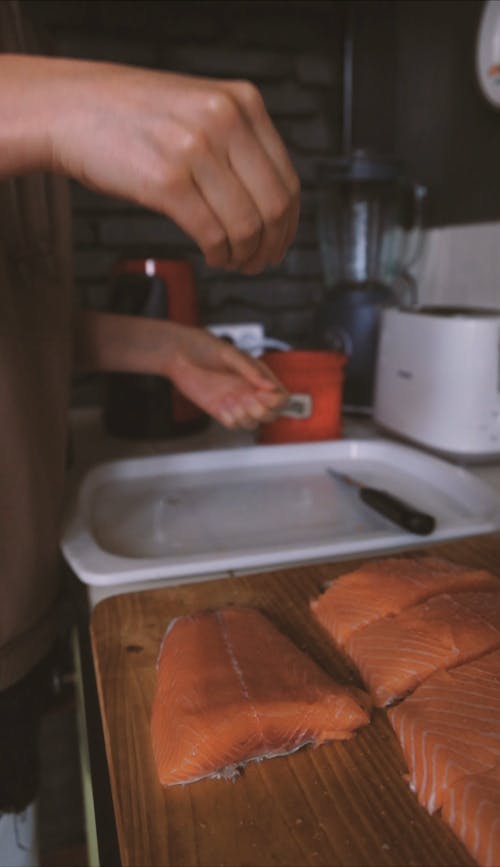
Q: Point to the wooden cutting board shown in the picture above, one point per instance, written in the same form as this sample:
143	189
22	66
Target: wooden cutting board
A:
344	803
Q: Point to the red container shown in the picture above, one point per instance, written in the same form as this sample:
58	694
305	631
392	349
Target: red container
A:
182	306
315	380
142	405
178	277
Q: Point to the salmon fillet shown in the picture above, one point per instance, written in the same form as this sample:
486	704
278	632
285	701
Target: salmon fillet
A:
232	688
395	654
387	586
472	810
450	727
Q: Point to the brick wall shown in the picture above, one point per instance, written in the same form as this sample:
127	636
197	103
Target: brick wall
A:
291	51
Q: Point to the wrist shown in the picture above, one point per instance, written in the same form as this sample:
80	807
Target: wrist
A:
172	358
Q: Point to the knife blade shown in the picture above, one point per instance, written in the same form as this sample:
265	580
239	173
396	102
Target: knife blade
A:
396	510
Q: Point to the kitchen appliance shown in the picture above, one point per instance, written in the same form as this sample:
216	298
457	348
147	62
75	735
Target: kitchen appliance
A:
370	232
140	405
438	379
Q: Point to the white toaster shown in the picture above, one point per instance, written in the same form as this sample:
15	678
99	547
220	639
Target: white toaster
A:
437	379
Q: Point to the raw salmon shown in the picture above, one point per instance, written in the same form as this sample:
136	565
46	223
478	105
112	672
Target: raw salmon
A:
450	727
232	688
387	586
472	810
395	654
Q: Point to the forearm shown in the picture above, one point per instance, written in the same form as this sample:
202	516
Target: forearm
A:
109	342
27	108
49	105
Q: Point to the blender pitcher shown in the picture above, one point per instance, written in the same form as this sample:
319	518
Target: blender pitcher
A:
370	233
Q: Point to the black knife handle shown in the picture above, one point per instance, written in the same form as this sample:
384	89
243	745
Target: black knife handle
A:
398	511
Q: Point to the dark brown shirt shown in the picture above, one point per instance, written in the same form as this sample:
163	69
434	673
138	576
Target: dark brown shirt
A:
35	369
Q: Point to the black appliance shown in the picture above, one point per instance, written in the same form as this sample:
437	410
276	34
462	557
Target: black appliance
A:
370	232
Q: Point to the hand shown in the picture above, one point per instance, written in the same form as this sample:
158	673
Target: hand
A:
234	388
237	390
204	152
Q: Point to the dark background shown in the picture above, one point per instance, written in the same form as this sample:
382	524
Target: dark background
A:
414	95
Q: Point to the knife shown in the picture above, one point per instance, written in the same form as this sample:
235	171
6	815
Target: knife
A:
391	507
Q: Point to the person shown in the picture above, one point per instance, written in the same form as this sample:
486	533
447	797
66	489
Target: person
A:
204	153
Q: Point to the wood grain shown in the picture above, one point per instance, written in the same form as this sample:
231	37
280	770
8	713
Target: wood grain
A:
344	803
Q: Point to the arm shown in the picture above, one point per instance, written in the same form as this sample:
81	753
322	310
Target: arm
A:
203	152
236	390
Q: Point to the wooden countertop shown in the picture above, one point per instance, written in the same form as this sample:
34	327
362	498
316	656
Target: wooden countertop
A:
345	803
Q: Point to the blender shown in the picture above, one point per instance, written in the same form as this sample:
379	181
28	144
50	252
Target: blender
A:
370	234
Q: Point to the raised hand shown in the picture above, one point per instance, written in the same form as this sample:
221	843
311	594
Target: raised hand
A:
204	152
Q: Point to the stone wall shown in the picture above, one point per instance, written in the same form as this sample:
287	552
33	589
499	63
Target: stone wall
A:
292	51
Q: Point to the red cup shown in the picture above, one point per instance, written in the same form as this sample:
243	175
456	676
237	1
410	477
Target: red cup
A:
314	379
